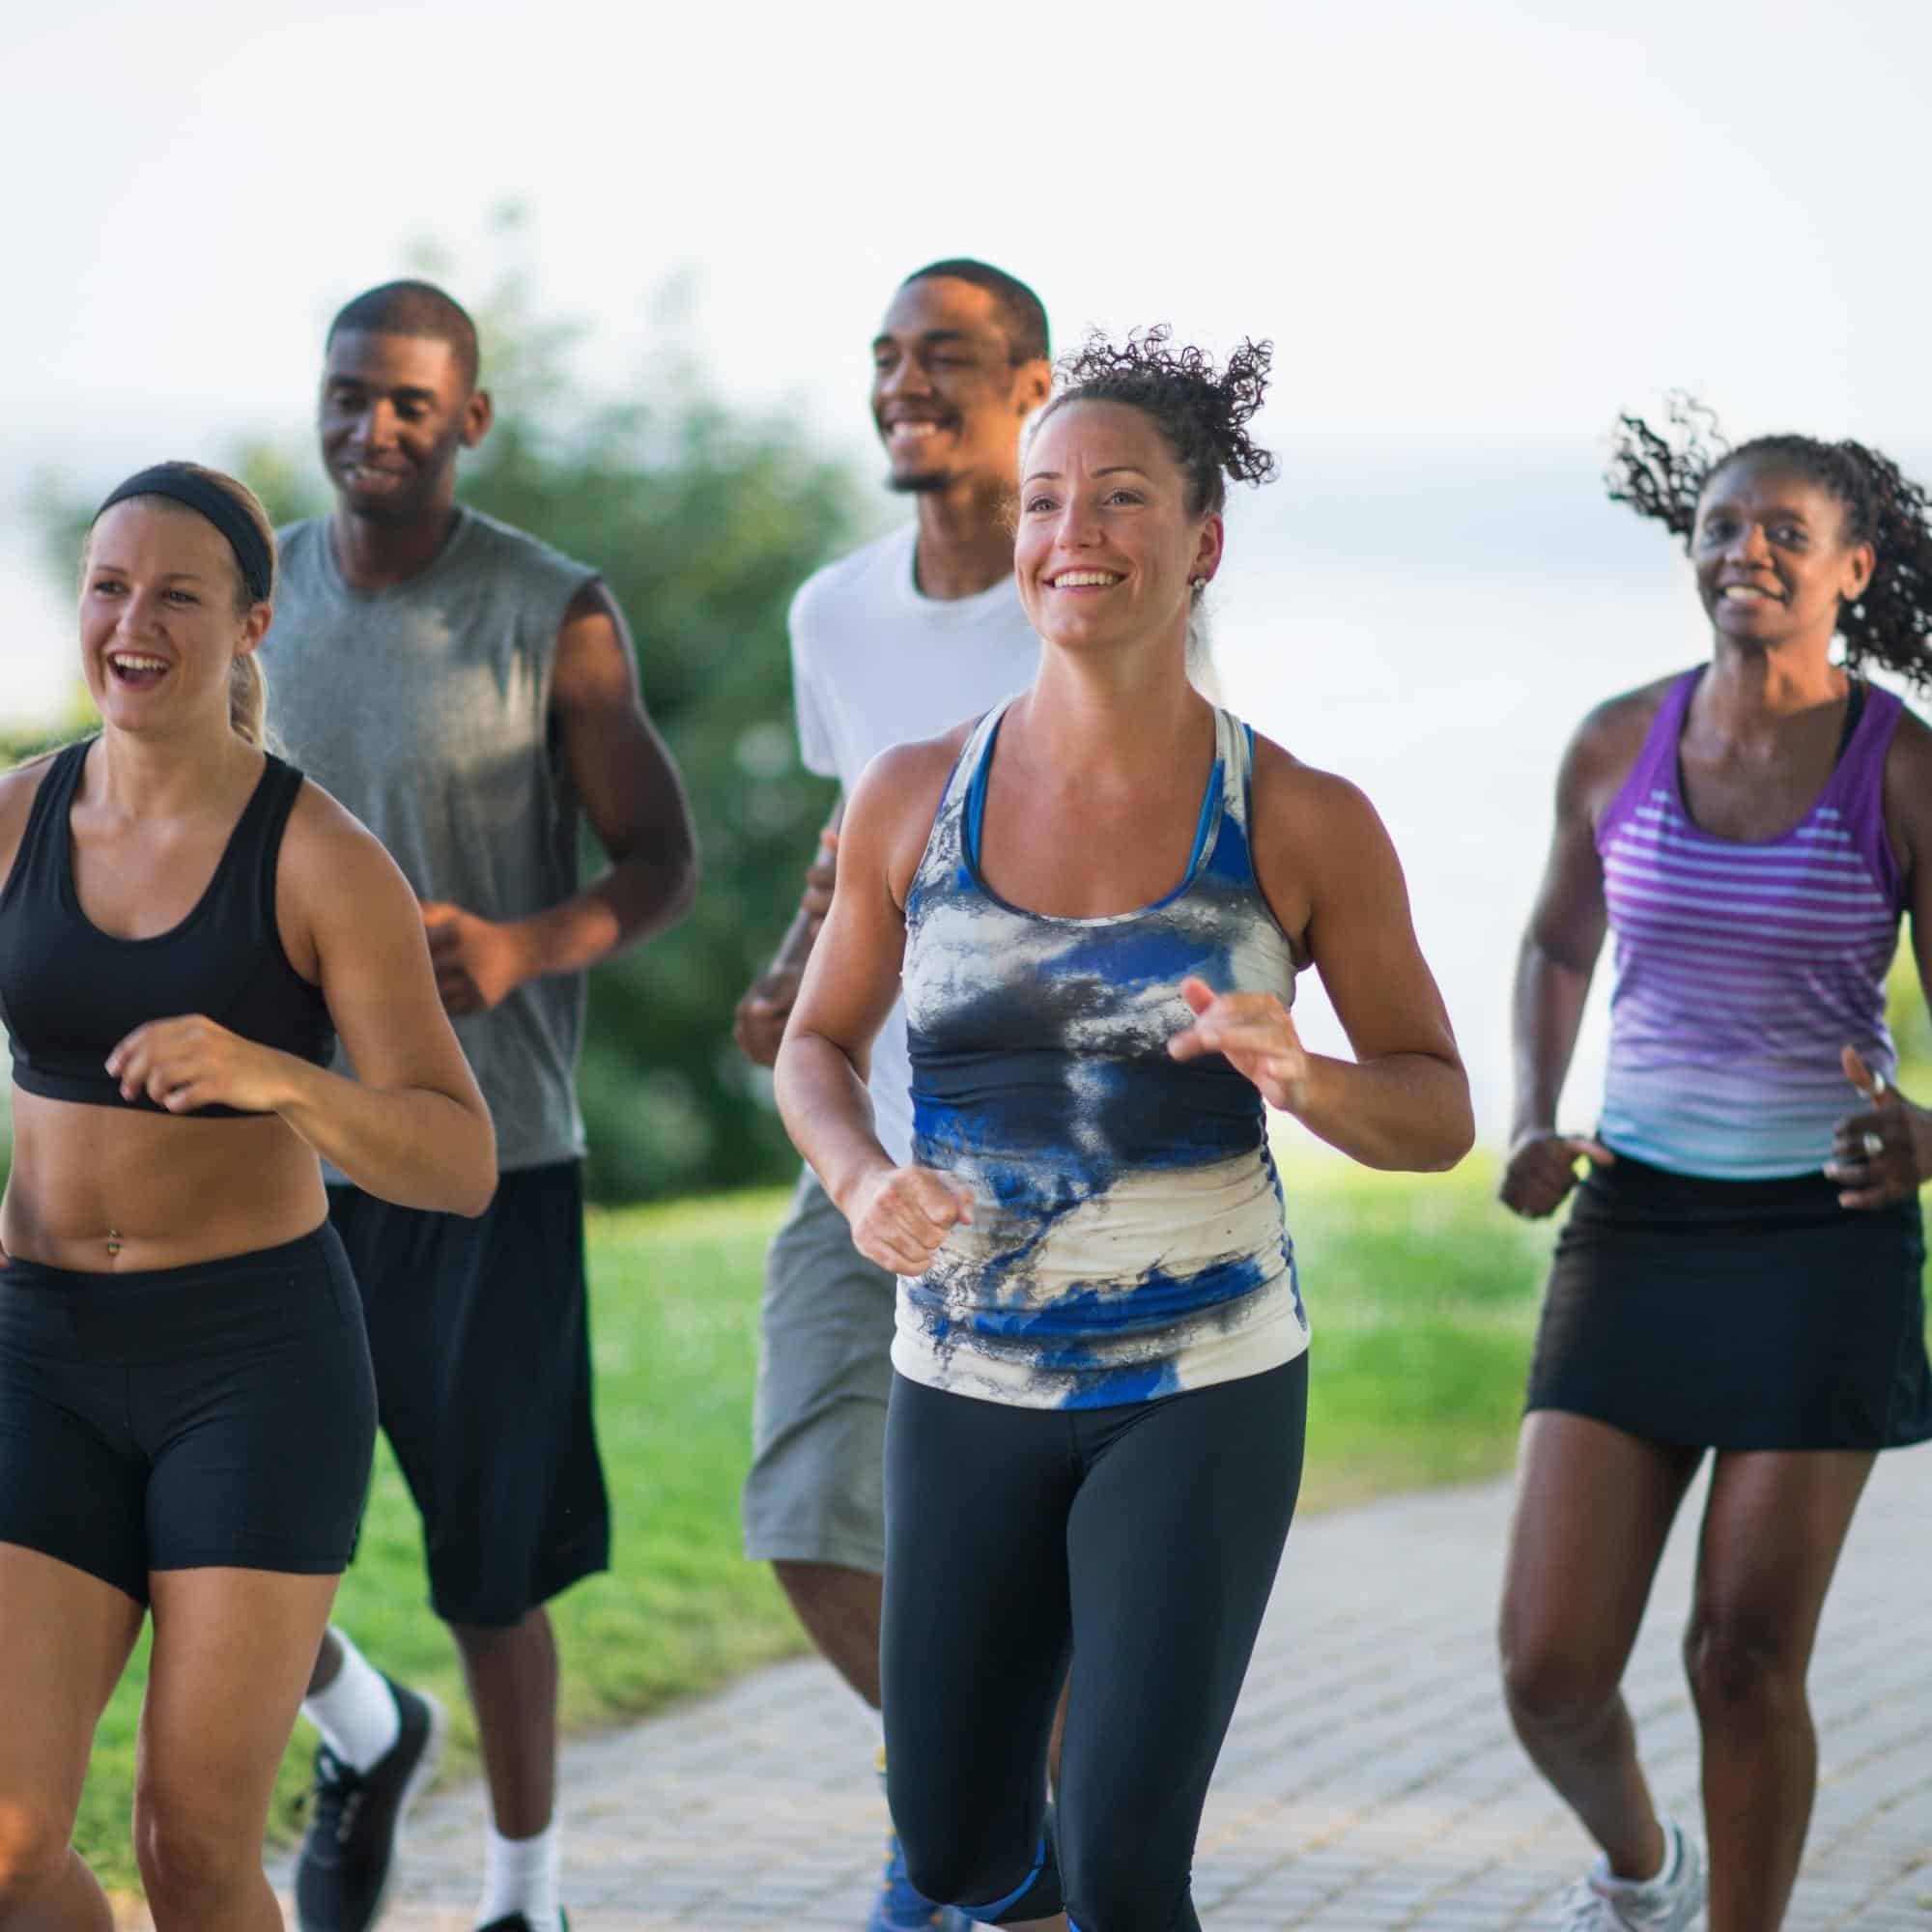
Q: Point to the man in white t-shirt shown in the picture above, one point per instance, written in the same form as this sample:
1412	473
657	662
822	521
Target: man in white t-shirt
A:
900	640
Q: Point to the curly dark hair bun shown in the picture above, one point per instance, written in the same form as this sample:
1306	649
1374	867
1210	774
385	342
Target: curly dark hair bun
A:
1203	411
1662	475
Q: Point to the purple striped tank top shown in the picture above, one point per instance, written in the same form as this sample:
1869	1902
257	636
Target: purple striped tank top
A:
1742	968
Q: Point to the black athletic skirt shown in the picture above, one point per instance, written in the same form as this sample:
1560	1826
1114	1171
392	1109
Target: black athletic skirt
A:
1735	1314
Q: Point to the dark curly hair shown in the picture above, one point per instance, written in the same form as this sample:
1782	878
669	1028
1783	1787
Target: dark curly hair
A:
1663	477
1202	414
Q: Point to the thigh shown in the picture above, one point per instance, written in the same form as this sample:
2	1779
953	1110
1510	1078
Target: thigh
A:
1593	1510
825	1335
72	1480
1173	1543
1774	1528
973	1644
64	1642
232	1656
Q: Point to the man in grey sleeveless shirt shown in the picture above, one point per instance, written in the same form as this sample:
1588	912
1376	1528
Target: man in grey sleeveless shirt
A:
470	693
902	640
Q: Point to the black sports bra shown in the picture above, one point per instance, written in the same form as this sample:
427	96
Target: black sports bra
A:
70	993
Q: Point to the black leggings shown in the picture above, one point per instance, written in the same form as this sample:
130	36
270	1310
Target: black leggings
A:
1140	1543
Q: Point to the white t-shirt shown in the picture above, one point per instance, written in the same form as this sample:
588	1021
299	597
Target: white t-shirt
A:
875	664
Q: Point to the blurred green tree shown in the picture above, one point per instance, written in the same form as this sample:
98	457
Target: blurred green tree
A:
704	521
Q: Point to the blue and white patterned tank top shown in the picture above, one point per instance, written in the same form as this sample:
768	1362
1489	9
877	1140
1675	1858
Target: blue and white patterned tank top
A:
1128	1239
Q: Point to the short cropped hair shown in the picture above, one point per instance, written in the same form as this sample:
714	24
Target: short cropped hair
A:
413	308
1020	309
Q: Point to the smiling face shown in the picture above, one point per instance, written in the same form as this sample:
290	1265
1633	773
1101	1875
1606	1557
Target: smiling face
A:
1772	553
159	623
948	399
394	412
1106	547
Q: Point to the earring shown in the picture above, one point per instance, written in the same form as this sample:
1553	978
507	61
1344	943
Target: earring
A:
1197	583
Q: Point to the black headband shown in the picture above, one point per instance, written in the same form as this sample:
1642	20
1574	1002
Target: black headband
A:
187	486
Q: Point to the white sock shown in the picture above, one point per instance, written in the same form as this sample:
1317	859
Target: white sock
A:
520	1875
356	1715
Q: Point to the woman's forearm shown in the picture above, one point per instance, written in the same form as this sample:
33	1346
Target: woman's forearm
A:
1405	1111
827	1111
1547	1014
413	1146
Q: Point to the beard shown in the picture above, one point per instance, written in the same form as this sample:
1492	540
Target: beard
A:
918	483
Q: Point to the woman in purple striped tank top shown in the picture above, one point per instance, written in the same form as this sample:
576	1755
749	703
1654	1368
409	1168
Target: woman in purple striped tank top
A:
1740	1272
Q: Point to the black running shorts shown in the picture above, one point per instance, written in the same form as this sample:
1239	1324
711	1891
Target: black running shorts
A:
222	1414
481	1339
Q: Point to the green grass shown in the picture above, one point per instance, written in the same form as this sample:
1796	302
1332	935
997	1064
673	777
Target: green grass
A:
1423	1295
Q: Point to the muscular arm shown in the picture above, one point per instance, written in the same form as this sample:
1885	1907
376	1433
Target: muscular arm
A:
636	804
1558	955
412	1127
898	1214
1326	861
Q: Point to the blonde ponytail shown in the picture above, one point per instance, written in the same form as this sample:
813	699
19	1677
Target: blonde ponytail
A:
248	701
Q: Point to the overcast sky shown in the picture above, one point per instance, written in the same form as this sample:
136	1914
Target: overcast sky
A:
1490	220
1478	215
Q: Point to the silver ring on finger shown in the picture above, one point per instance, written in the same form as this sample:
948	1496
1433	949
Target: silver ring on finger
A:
1873	1145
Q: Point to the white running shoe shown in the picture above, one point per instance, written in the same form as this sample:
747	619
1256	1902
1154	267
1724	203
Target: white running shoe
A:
1666	1903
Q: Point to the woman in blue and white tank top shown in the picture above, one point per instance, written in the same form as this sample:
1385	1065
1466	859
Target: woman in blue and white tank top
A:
1741	1271
1100	893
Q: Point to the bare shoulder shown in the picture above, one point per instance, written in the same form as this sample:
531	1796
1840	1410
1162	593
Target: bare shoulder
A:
20	783
889	817
1304	807
330	855
1910	757
1908	789
19	786
1606	745
900	776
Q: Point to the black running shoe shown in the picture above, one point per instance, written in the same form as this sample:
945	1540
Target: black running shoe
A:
517	1923
349	1851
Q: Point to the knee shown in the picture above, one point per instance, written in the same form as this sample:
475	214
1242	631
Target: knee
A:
1741	1664
952	1871
192	1863
32	1851
1551	1686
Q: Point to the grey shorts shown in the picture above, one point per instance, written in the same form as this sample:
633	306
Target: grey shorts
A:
819	1421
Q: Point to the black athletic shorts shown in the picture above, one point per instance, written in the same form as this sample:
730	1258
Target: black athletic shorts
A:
481	1339
1736	1315
185	1418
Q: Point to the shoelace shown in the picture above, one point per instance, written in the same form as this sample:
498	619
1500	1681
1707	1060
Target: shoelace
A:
1585	1909
339	1792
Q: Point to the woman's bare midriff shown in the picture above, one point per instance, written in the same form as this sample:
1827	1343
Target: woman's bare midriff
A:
108	1190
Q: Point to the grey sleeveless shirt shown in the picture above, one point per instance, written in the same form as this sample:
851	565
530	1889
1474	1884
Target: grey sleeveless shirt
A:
425	709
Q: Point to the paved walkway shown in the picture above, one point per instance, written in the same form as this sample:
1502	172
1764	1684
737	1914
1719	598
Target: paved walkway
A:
1370	1781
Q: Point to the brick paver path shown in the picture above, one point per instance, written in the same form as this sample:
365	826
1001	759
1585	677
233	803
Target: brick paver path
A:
1370	1781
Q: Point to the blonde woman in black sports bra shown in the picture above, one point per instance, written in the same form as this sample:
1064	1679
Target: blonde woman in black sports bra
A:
187	1412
